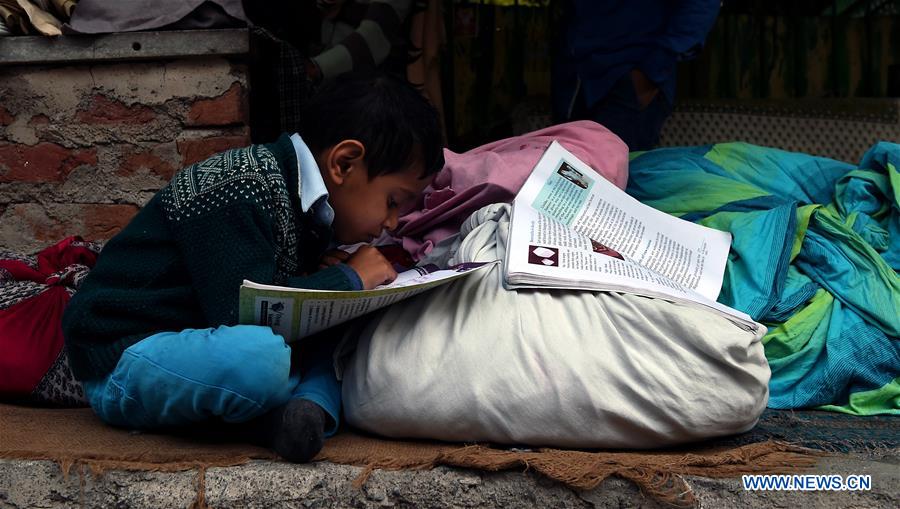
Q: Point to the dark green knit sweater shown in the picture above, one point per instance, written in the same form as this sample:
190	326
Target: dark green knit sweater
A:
181	260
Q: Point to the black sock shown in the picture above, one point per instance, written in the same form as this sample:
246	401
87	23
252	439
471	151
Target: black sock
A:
295	430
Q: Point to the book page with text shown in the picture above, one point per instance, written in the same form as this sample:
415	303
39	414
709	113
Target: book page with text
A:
577	198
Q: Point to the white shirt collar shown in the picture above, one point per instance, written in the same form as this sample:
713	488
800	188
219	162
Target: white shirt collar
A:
313	193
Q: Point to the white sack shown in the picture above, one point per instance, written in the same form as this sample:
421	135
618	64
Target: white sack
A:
471	361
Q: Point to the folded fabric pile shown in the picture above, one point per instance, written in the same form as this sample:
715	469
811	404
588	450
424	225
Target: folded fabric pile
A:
495	172
815	256
34	291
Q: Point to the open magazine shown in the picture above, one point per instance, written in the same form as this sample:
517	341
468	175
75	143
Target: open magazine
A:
295	313
571	228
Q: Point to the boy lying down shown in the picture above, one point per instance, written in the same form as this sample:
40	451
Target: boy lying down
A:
152	333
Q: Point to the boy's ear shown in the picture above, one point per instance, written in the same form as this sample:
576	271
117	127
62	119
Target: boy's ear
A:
343	159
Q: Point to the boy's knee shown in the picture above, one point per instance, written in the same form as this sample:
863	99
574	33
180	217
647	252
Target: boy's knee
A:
235	373
254	349
252	336
229	370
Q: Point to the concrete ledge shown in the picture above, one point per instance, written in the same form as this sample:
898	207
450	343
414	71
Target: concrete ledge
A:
265	484
123	46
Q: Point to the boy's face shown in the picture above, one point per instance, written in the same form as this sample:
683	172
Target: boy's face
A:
364	207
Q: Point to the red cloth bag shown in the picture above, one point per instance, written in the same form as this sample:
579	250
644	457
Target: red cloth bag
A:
34	291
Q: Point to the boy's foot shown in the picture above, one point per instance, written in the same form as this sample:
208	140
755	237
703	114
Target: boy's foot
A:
295	430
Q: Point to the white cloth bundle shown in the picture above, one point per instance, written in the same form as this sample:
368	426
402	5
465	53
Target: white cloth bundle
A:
471	361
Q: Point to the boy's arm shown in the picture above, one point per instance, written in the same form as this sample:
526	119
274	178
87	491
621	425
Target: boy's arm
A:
234	243
339	276
220	249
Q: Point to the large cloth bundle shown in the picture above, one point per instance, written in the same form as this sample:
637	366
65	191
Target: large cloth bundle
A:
471	361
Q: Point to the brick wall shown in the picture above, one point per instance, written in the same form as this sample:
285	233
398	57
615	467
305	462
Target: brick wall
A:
84	146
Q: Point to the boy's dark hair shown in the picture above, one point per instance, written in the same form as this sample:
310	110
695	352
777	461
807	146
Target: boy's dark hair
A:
394	121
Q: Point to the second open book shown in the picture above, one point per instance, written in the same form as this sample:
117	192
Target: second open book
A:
572	229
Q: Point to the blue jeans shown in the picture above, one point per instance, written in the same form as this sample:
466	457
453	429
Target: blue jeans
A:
620	112
173	379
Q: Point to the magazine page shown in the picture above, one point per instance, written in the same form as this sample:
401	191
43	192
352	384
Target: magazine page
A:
579	200
295	313
561	258
555	255
572	229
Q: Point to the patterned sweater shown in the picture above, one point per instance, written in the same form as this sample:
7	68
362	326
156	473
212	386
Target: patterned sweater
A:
181	260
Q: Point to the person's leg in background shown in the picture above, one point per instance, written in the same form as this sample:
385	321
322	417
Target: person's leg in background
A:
239	374
621	112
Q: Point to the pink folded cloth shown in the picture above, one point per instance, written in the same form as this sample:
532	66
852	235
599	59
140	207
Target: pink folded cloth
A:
495	172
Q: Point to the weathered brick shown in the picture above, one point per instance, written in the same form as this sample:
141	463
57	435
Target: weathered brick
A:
135	161
124	121
39	119
193	150
6	117
92	221
31	221
227	109
101	221
103	110
44	162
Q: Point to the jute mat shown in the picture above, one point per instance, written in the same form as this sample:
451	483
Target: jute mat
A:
76	437
826	431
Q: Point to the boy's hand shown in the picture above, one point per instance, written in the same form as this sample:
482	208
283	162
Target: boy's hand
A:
333	257
373	268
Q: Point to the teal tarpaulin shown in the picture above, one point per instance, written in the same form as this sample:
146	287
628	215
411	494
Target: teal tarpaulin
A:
815	256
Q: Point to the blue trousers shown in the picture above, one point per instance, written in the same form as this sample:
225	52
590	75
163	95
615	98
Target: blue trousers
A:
639	127
173	379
